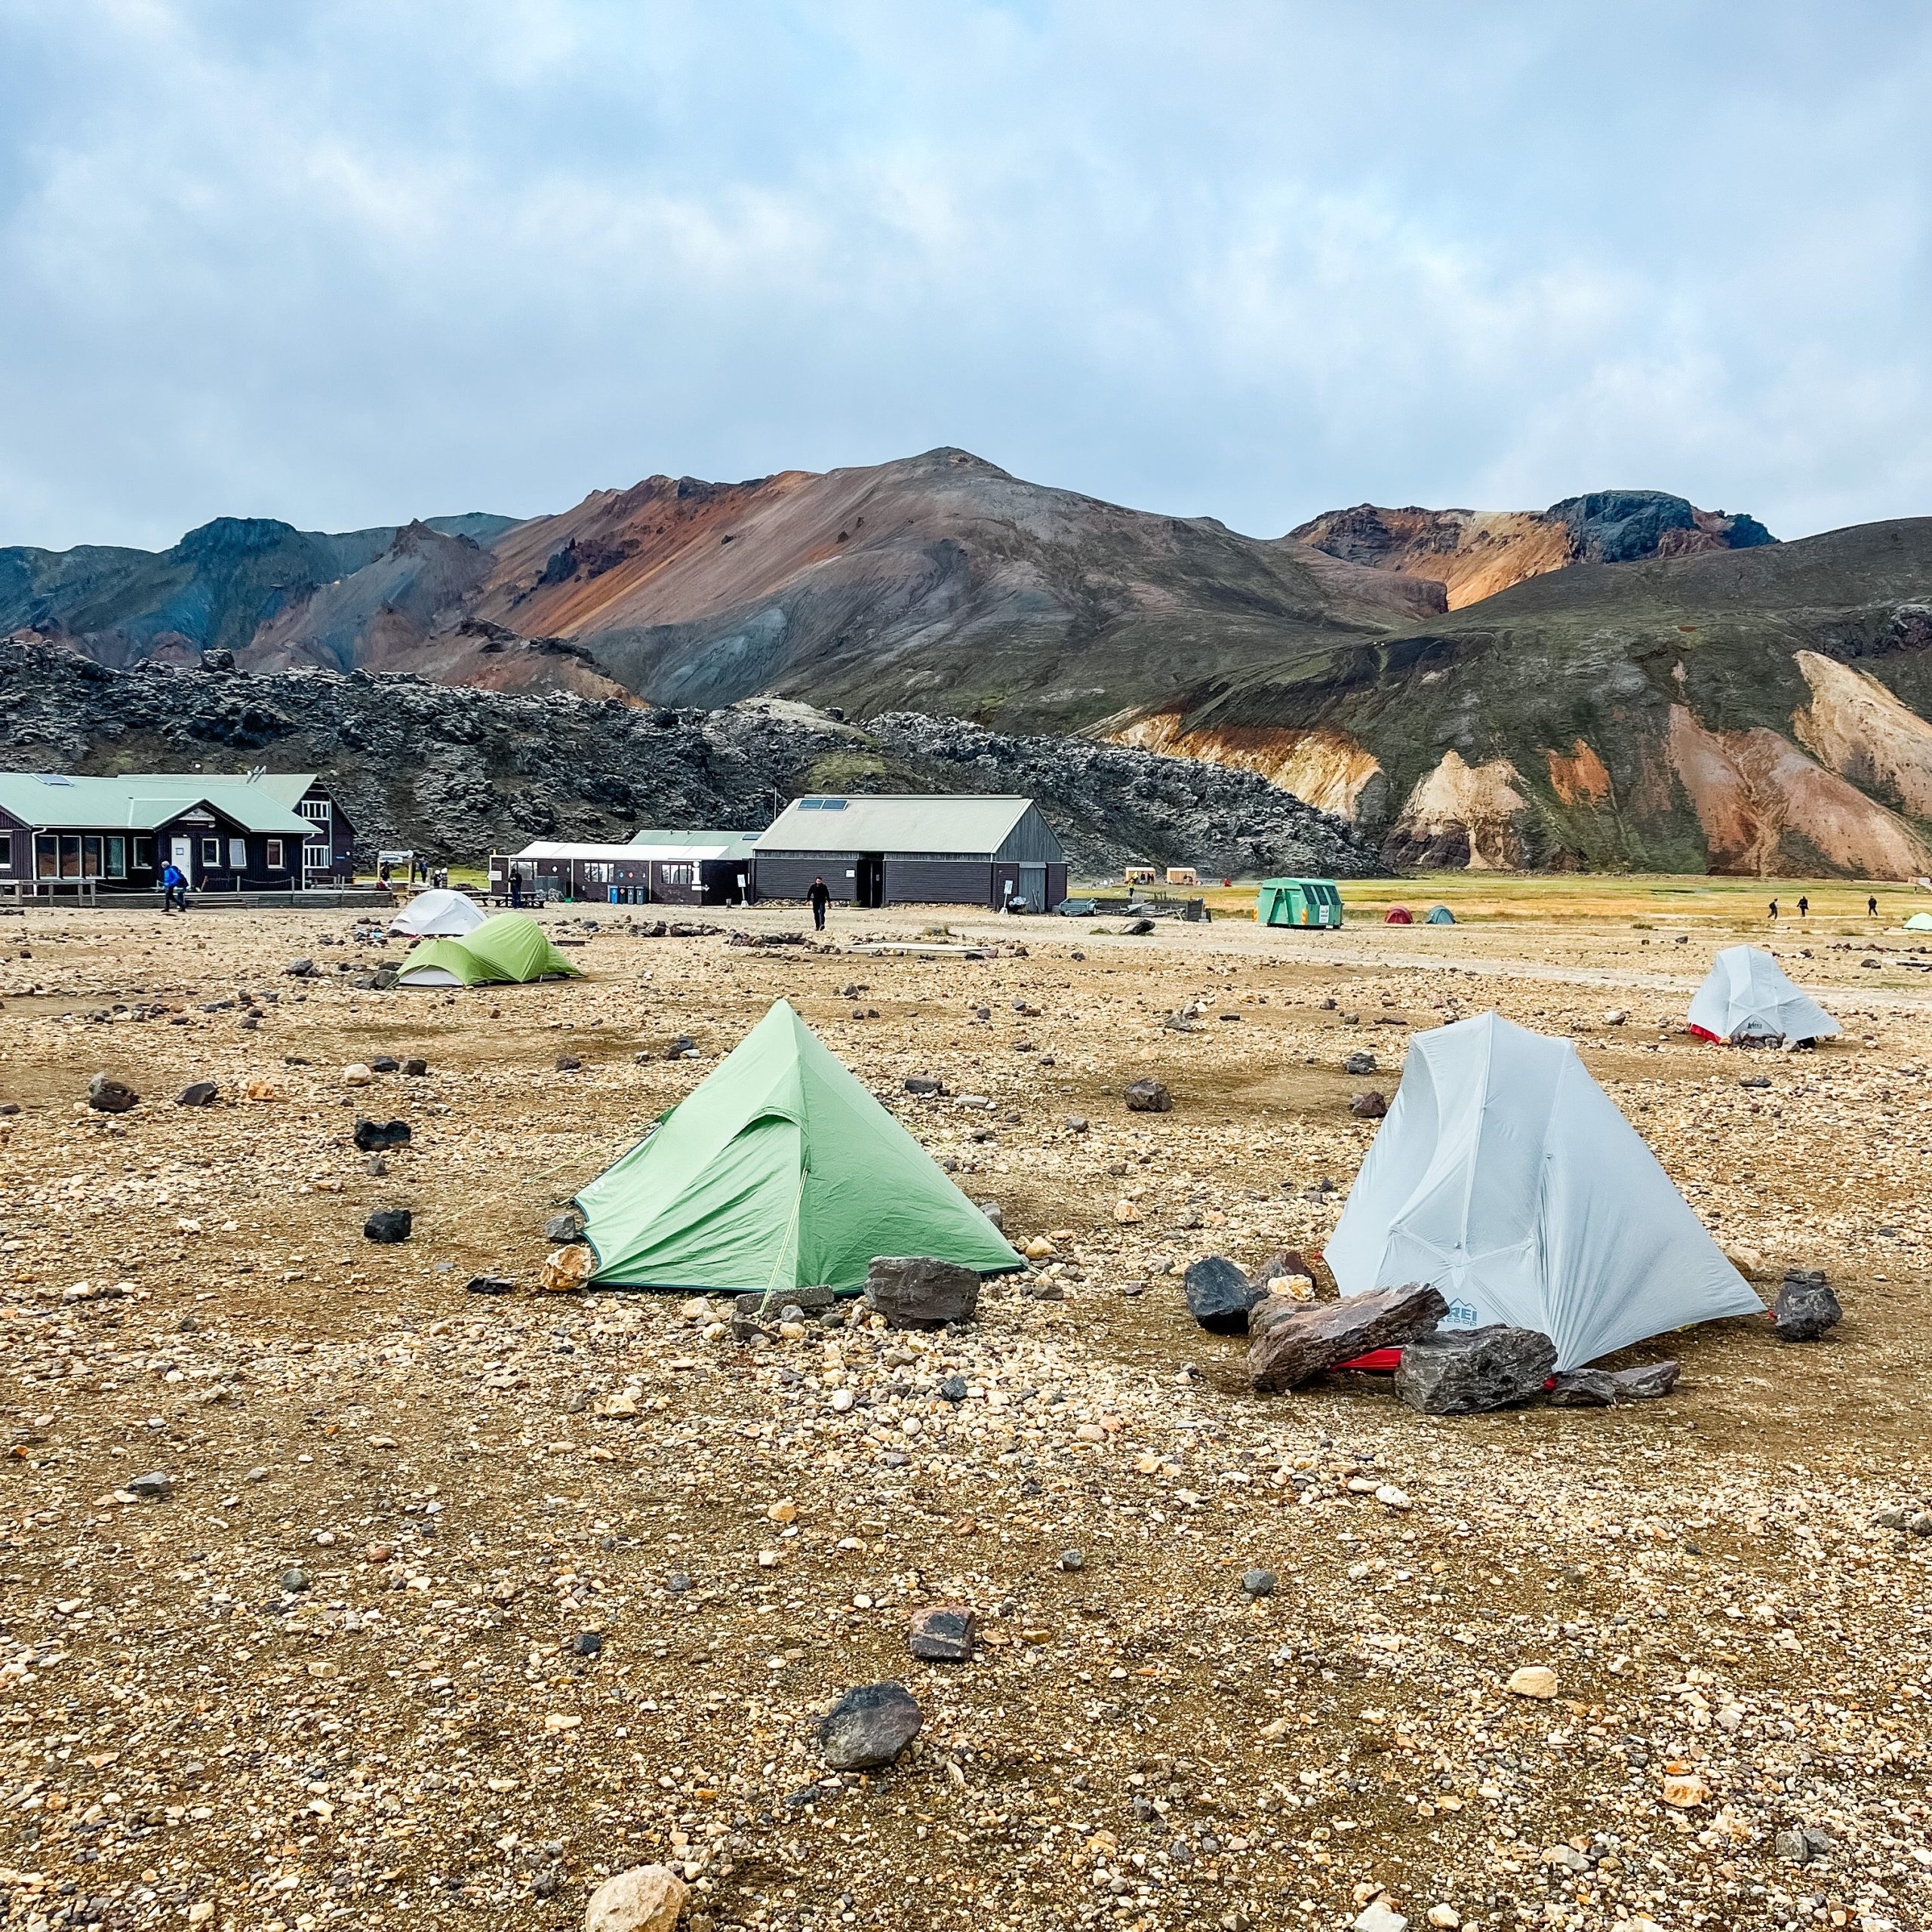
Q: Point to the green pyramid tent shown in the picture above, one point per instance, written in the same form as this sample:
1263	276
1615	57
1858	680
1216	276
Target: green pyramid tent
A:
780	1171
511	946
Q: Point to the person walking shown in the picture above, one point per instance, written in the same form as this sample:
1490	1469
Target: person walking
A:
174	888
516	888
1774	912
1872	908
820	896
1803	907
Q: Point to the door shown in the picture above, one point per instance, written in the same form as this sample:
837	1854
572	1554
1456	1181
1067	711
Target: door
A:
181	849
871	870
1033	886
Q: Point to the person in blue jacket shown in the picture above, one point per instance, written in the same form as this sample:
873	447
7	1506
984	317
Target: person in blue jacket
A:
174	888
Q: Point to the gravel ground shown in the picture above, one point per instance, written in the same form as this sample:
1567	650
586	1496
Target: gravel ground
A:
347	1670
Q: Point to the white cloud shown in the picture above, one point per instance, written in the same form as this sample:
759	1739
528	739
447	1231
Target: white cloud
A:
351	263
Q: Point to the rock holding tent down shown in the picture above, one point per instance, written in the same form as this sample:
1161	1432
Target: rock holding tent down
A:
916	1291
1583	1388
1291	1342
1806	1307
1219	1295
1654	1380
869	1727
1464	1371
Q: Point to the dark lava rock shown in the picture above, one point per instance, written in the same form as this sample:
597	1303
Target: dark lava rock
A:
1371	1106
953	1389
1361	1061
198	1094
808	1301
915	1291
389	1224
1463	1371
586	1644
1806	1308
1149	1096
1296	1340
154	1487
568	1063
1219	1295
869	1727
385	1063
1583	1388
995	1213
917	1083
560	1230
942	1633
109	1096
414	1070
300	969
1258	1582
370	1135
1654	1379
488	1285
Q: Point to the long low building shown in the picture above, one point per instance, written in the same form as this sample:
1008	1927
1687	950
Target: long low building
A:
657	868
905	849
228	832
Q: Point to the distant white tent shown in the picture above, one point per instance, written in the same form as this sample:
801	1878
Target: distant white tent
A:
1506	1177
438	914
1745	996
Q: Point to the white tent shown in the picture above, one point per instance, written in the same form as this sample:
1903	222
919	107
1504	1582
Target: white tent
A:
1745	996
1505	1176
438	914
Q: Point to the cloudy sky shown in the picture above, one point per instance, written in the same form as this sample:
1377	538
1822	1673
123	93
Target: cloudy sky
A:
353	261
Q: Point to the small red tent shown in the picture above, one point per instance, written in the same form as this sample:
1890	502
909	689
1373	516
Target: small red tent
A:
1399	916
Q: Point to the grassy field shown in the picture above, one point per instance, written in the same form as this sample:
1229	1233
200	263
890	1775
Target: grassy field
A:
1631	901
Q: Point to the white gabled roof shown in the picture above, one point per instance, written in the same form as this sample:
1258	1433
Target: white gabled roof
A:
964	821
551	848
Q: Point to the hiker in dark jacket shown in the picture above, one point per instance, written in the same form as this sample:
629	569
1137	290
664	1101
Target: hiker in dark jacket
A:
820	896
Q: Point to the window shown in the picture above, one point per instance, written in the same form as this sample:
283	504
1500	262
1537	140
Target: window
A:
237	855
597	871
143	853
46	855
90	855
211	851
318	809
274	860
70	855
6	851
677	874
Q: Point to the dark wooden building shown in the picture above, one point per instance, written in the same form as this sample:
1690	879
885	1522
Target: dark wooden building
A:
905	849
229	832
692	868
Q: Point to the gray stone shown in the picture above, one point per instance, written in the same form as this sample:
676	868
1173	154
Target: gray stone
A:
1371	1106
1219	1295
586	1644
1583	1388
807	1301
389	1224
369	1135
1654	1379
995	1213
679	1582
415	1070
385	1063
560	1230
869	1727
1149	1096
919	1084
1806	1309
197	1093
1360	1061
916	1291
942	1633
1071	1559
1258	1582
953	1389
1290	1342
488	1285
300	969
568	1063
1463	1371
294	1581
106	1095
155	1488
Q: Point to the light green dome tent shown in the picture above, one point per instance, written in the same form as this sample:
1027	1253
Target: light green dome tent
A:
780	1171
1919	922
512	946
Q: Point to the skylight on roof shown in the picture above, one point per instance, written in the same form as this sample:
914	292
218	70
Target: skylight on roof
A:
53	778
823	804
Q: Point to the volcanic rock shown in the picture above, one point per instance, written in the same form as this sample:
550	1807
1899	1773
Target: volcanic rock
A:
1219	1295
942	1633
197	1093
1461	1371
389	1224
106	1095
869	1727
1291	1341
1806	1308
1149	1096
918	1292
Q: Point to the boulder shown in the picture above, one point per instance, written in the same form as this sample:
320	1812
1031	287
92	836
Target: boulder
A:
1370	1105
371	1135
1149	1096
1219	1295
942	1633
197	1093
1360	1061
1646	1384
1463	1371
566	1269
389	1224
106	1095
1806	1308
1583	1388
869	1727
647	1898
1291	1341
915	1291
560	1230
